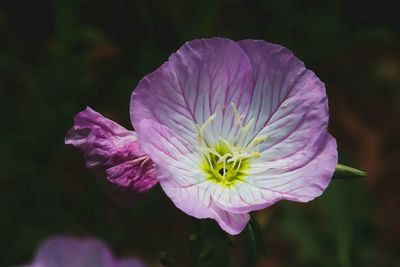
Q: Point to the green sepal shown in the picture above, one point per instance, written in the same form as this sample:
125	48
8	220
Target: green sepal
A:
346	172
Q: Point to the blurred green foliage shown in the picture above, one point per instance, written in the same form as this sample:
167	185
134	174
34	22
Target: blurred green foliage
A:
58	56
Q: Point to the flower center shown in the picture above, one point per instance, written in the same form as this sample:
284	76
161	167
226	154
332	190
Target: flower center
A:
221	168
227	162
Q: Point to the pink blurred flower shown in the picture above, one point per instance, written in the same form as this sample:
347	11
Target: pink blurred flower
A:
67	251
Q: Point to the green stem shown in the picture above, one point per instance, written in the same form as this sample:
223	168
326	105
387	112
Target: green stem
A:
210	246
251	246
255	243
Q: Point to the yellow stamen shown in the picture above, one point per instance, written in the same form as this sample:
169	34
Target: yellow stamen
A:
238	117
257	141
201	129
228	160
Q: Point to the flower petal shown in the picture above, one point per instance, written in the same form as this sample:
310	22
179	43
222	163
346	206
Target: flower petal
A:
64	251
180	177
201	79
113	156
232	223
302	183
289	102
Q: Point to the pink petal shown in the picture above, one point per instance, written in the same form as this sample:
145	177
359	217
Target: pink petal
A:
113	156
232	223
202	78
289	102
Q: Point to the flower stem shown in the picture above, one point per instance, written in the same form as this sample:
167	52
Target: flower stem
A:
209	246
255	243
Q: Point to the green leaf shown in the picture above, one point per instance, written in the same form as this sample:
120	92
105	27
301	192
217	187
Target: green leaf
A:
345	172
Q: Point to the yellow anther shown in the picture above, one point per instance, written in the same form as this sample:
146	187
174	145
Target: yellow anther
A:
257	141
208	121
245	130
213	151
238	117
255	155
285	103
199	133
239	156
224	157
201	129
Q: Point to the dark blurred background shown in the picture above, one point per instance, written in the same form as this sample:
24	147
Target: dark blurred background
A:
57	57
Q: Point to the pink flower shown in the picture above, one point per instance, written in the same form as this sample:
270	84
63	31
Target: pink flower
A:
234	127
66	251
113	156
231	127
